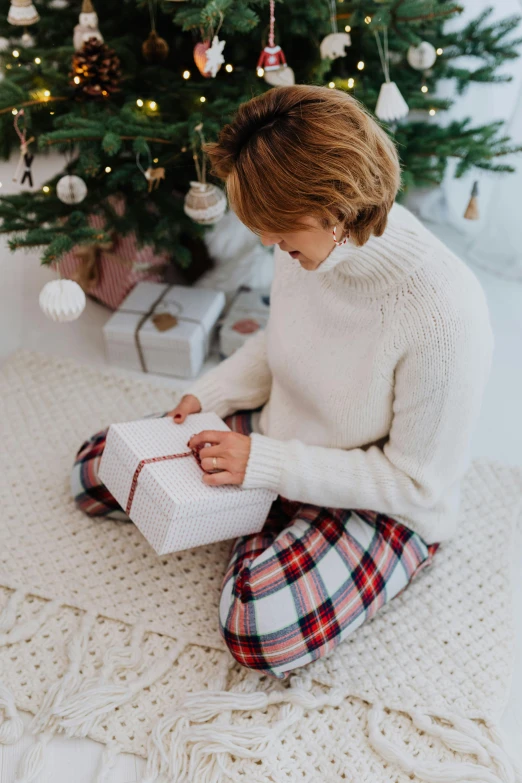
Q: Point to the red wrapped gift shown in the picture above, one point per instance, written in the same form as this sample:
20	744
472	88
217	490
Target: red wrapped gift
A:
108	271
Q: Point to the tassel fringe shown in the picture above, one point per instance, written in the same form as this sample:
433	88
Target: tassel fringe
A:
198	740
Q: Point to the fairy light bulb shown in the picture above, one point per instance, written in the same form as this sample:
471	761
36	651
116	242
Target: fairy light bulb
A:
14	111
46	188
16	53
360	65
367	19
424	88
347	28
155	160
37	60
76	80
108	169
153	105
331	85
186	74
432	112
229	68
47	93
260	71
351	83
202	99
439	50
139	102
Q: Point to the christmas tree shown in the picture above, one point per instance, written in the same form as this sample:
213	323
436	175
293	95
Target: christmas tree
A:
128	91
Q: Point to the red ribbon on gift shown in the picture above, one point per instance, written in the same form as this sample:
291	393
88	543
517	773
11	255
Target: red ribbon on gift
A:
193	452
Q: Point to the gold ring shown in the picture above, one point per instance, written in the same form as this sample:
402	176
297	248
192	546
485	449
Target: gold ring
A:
214	462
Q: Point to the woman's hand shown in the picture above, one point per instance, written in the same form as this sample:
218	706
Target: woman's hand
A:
188	404
231	450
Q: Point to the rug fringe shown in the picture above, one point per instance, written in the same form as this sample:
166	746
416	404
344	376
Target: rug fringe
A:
109	756
11	727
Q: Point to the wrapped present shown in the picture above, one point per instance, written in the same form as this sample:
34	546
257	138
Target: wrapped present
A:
108	271
148	468
247	314
164	329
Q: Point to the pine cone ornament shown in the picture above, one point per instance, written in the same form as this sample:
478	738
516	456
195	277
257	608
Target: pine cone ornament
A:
95	70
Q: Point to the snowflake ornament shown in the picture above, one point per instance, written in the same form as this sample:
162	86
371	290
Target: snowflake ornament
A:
215	57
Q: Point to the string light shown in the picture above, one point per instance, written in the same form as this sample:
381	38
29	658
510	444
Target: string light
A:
108	169
347	29
351	83
186	74
202	99
105	93
14	111
139	102
229	68
331	85
8	65
51	112
439	50
260	71
360	65
424	88
153	105
155	160
47	93
432	112
76	80
46	188
37	60
367	19
16	53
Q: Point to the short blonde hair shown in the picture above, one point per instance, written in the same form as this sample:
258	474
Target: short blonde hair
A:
306	150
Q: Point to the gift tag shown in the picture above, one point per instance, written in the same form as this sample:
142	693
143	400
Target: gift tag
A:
164	321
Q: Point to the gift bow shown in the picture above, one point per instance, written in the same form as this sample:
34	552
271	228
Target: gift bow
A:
88	273
143	462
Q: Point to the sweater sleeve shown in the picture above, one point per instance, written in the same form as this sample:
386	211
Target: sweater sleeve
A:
241	381
438	386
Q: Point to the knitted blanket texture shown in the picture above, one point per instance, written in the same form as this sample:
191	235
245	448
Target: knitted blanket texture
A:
101	637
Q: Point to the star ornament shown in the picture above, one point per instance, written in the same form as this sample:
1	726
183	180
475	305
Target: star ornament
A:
215	57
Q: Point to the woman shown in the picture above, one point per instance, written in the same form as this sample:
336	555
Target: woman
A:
358	401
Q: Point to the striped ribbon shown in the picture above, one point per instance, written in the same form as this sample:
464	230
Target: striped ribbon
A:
143	462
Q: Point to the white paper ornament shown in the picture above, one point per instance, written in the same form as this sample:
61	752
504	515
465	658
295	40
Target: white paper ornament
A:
4	44
27	40
334	46
62	300
391	106
22	12
71	189
205	203
282	77
214	56
87	26
421	57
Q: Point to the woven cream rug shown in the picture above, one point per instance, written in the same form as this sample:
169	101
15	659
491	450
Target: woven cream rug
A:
101	637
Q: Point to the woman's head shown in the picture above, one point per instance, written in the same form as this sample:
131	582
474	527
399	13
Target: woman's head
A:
298	161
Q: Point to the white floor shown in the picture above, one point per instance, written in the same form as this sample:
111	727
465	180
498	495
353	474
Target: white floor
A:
498	436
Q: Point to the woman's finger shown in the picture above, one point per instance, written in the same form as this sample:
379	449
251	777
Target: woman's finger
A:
223	477
214	436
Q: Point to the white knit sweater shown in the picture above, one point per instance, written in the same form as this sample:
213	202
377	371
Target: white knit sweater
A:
371	372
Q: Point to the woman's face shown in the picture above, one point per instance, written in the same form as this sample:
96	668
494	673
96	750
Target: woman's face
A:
309	247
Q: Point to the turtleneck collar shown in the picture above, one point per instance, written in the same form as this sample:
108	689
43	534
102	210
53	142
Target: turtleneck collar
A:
382	261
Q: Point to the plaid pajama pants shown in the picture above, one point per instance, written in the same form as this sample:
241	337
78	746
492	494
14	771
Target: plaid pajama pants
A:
297	589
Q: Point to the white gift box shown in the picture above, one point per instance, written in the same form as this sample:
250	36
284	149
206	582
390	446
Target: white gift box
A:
167	499
137	340
247	314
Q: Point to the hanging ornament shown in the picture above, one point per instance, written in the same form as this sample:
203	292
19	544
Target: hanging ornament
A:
155	49
204	203
71	189
335	43
472	210
391	106
4	44
27	39
152	175
421	57
272	60
25	158
95	70
87	27
209	56
62	300
214	56
22	12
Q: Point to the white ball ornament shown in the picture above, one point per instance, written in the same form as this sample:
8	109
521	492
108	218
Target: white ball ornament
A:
62	300
71	189
205	203
421	57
